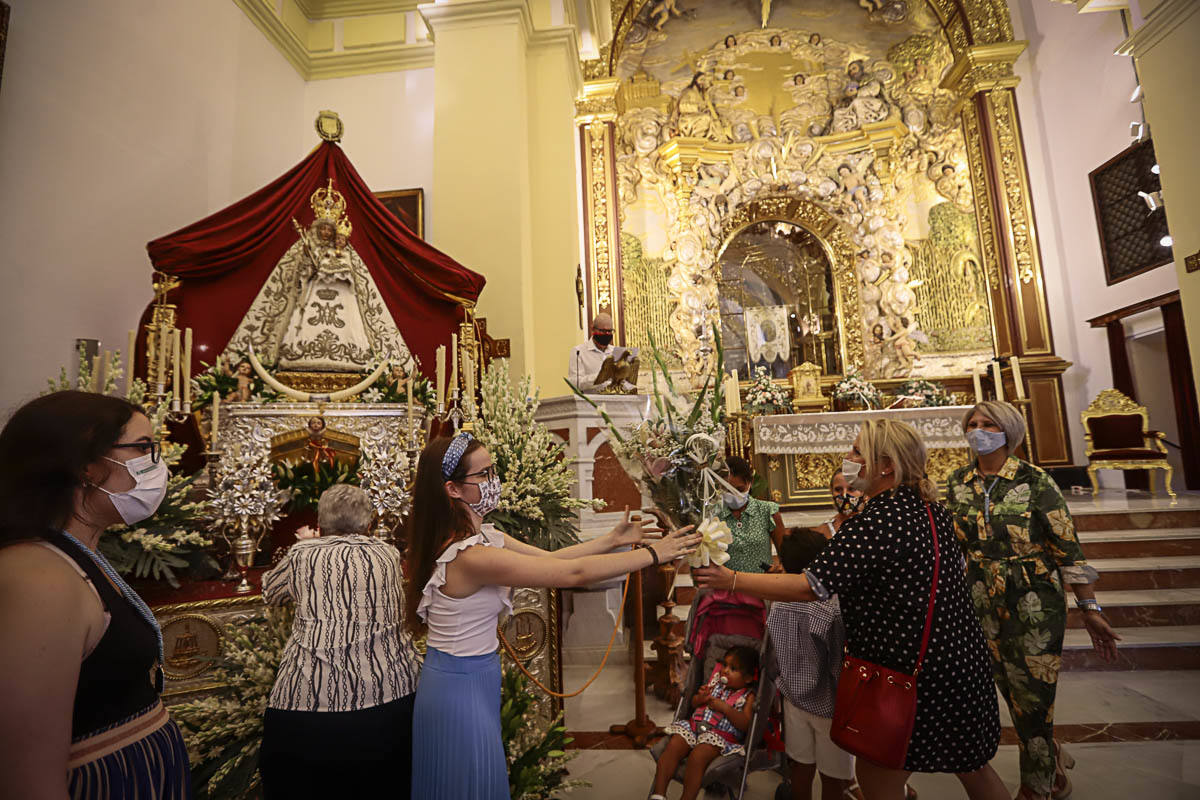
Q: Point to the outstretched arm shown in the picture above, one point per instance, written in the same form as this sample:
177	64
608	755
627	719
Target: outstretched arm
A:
769	586
630	530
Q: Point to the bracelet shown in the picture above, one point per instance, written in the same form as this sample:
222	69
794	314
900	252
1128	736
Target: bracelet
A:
733	586
653	555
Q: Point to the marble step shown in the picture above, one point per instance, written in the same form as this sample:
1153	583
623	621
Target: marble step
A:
1175	647
1141	542
1130	520
1147	572
1144	608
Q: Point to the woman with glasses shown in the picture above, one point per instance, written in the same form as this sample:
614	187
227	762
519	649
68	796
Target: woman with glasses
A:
460	572
80	652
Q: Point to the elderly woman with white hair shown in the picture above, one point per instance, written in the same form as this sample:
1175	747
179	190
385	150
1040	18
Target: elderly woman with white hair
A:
1021	548
339	719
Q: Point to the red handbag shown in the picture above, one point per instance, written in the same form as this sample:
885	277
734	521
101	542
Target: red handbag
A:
876	707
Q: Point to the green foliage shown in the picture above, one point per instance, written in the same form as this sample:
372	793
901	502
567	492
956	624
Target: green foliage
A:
537	757
223	732
305	481
215	380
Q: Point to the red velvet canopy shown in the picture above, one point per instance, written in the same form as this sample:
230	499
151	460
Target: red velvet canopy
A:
224	259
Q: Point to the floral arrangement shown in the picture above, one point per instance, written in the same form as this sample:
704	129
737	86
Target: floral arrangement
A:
855	388
390	388
765	396
244	496
169	540
537	757
221	378
535	504
383	477
305	481
922	393
223	732
674	454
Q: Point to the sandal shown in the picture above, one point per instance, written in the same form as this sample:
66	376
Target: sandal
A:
1062	782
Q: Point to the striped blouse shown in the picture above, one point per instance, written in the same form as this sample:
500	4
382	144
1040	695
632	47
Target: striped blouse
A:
348	649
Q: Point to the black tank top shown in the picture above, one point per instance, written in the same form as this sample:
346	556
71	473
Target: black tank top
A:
115	679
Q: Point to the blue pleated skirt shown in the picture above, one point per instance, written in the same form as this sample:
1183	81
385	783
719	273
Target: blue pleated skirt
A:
457	751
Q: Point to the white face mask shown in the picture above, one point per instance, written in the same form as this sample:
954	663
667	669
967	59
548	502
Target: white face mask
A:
851	472
735	500
140	502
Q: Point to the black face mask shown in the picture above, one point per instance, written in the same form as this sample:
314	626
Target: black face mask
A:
602	339
848	504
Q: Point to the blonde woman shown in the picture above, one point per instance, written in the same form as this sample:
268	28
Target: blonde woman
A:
1021	549
880	565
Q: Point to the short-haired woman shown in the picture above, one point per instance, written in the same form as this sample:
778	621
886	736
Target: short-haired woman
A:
466	569
80	713
880	565
755	524
1021	548
339	719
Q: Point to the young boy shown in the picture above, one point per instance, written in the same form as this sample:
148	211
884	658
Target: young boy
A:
808	640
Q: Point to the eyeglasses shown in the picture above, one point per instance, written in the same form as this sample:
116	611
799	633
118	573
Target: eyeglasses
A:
487	473
153	448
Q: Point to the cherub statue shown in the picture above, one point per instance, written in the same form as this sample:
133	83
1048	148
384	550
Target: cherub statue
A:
398	378
663	9
244	373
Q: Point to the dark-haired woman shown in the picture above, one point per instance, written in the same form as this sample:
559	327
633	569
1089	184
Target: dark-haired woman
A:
80	653
755	524
460	571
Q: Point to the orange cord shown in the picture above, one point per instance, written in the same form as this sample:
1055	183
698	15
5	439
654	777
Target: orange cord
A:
603	661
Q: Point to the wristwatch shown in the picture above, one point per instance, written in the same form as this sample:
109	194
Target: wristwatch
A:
1090	605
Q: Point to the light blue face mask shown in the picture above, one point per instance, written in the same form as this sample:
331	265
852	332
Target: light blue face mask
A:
735	501
984	442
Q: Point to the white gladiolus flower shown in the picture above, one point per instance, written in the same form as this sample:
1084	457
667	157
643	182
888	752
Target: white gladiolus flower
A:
713	546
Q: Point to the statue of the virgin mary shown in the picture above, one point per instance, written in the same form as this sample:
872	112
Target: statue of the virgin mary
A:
319	310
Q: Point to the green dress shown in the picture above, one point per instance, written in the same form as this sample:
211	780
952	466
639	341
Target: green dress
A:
751	546
1019	542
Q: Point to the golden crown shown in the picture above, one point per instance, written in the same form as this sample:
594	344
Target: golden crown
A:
328	203
344	227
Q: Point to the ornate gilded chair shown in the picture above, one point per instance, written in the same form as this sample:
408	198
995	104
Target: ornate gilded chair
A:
1118	435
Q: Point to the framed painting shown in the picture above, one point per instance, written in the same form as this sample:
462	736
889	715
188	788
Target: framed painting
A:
409	207
1129	213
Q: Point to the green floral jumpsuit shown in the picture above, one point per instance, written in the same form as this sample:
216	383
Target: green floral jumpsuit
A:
1020	545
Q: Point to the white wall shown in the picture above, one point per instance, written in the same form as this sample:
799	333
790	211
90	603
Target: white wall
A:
120	122
1075	113
389	127
1147	347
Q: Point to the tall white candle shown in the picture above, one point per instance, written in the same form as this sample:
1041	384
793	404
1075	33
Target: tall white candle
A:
409	388
187	366
1018	385
998	381
454	363
441	375
93	384
175	369
163	336
102	380
976	369
130	362
216	420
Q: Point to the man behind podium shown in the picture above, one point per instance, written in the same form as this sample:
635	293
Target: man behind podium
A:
587	358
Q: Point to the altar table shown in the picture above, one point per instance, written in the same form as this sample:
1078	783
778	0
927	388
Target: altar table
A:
798	453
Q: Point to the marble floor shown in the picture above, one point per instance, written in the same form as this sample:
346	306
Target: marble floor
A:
1132	734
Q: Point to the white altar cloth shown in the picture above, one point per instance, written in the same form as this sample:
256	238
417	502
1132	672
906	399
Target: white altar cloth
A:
834	432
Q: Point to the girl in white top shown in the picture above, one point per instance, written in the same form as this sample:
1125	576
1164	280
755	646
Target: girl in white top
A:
465	570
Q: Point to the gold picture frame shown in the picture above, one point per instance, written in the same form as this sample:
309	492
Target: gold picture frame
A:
408	205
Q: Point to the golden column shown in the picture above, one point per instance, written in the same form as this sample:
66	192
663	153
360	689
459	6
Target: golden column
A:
983	77
595	118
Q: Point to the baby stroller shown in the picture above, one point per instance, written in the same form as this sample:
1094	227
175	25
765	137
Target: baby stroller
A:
729	772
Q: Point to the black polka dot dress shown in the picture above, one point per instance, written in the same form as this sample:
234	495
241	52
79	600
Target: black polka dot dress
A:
880	564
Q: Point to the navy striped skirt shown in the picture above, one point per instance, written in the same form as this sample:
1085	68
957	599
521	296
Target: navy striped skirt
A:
457	751
141	758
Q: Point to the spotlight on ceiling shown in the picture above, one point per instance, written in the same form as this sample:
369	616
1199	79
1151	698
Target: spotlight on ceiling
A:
1135	131
1155	169
1137	94
1153	200
1166	241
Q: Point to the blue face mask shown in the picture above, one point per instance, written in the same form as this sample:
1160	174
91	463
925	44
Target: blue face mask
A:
735	501
984	442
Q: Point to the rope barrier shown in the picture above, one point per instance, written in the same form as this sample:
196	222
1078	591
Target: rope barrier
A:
612	639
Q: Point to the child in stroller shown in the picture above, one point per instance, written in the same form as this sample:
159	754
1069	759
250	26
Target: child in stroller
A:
724	708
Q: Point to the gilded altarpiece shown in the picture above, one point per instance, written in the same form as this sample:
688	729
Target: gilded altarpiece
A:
886	129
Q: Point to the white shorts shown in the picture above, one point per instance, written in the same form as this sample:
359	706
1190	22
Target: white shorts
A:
806	740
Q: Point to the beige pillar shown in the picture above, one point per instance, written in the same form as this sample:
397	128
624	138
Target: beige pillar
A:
1167	51
503	169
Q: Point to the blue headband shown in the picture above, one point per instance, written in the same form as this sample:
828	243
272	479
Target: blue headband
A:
454	454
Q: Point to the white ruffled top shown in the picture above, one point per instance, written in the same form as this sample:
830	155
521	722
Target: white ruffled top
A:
464	626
